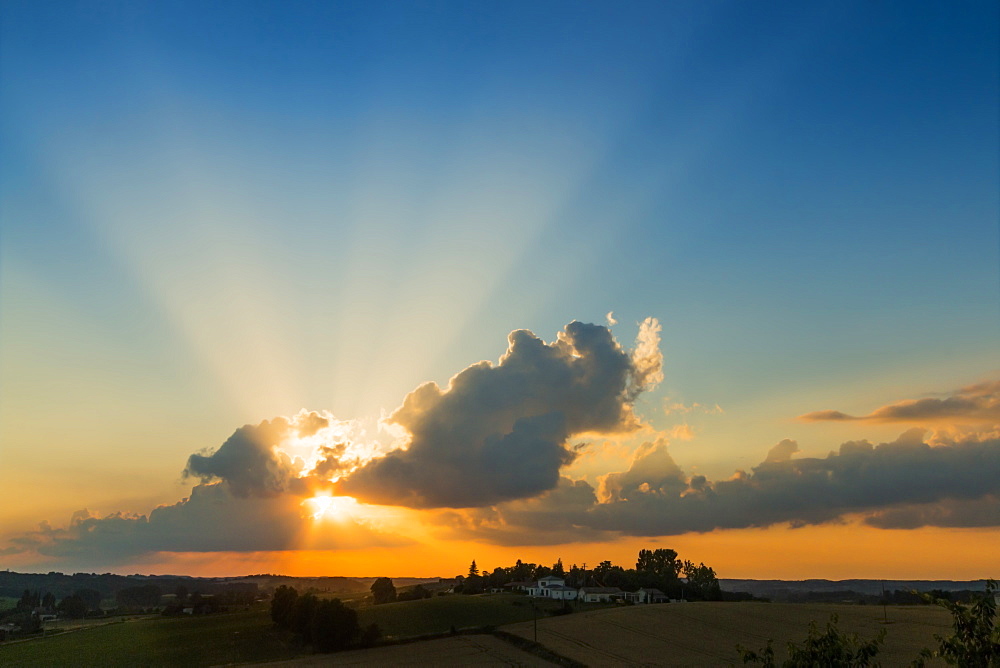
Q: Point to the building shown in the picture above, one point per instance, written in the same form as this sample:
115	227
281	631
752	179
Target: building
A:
646	595
600	594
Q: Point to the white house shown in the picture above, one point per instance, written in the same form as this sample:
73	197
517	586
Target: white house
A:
562	592
646	595
600	594
545	587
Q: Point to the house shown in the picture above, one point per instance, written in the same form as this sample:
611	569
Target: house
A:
518	585
546	586
553	587
562	592
646	595
600	594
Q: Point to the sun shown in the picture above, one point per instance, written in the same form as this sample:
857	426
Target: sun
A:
326	507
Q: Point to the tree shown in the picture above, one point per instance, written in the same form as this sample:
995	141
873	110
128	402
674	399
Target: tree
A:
473	569
282	604
302	615
333	626
49	601
91	597
143	596
661	562
29	601
558	569
383	591
831	648
975	640
702	581
73	607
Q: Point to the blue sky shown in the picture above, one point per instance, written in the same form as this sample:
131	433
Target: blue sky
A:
217	213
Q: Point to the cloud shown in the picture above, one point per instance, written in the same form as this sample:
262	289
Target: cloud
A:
610	317
210	520
499	432
903	483
249	462
963	513
975	403
555	517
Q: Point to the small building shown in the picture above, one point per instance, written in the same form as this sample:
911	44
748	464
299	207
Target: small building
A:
600	594
646	595
545	586
562	592
519	585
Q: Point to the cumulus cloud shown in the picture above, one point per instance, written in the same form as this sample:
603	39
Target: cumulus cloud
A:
963	513
610	317
210	520
557	516
903	483
249	462
978	403
499	432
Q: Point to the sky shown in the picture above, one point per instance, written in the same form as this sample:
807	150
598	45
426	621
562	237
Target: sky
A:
337	288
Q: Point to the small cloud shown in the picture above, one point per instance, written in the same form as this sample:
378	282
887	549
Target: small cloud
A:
978	404
610	317
671	406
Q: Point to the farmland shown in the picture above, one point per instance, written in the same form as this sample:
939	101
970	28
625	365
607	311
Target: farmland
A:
672	634
442	613
693	634
239	637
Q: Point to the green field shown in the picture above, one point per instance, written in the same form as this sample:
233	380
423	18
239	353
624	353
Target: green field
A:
237	637
7	602
673	634
439	614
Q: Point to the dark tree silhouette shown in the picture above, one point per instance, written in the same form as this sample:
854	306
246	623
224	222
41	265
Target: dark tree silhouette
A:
334	626
282	604
383	591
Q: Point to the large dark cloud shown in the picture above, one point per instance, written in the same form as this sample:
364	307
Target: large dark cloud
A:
972	404
904	483
249	462
499	432
211	520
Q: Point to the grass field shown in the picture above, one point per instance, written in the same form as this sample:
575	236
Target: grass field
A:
237	637
697	634
462	650
8	602
439	614
672	634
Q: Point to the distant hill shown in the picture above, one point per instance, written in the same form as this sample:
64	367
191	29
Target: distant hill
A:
798	590
13	584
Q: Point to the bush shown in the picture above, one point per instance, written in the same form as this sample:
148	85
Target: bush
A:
975	640
832	648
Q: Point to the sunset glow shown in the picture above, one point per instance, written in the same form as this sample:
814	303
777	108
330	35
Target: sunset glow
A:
371	289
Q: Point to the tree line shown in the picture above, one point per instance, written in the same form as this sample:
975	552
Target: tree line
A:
654	569
326	624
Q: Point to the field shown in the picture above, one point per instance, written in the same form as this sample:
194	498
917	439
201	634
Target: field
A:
439	614
672	635
463	650
238	637
692	634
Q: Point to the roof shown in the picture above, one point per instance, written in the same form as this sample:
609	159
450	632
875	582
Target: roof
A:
548	578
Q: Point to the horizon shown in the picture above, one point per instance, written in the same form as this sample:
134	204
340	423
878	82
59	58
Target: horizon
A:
311	287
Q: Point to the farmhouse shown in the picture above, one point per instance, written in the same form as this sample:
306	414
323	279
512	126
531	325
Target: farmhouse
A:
646	595
550	586
600	594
